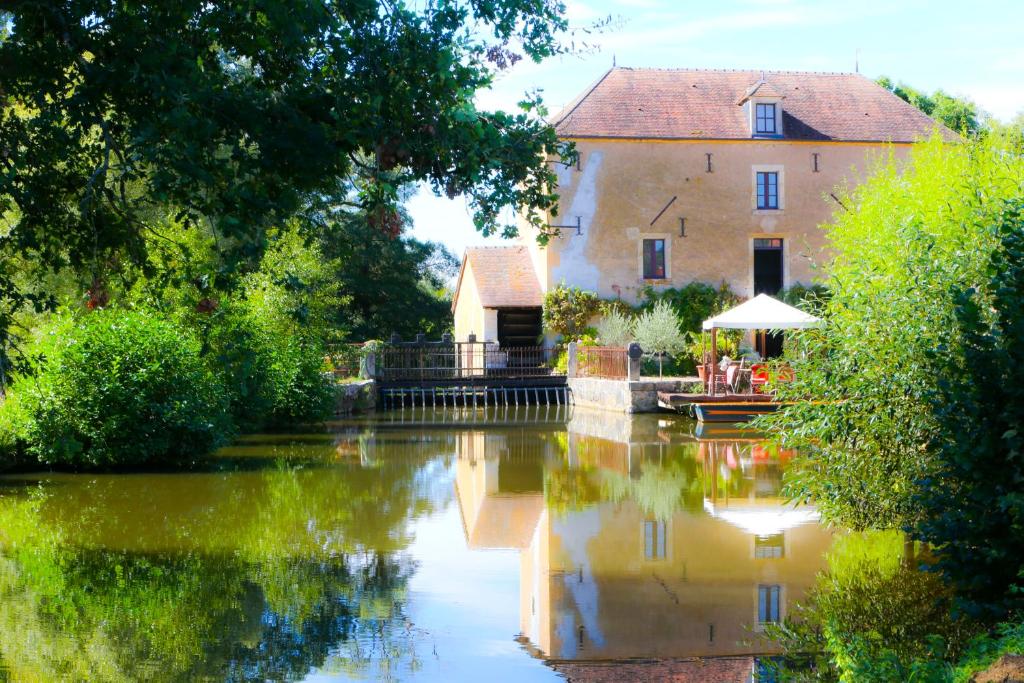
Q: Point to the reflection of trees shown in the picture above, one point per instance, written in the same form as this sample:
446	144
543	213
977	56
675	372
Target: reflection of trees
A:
660	483
662	487
257	574
874	615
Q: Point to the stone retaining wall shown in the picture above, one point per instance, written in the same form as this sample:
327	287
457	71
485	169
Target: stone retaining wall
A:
354	397
626	396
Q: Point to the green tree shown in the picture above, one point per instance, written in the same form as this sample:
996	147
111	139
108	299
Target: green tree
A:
238	115
390	284
615	328
956	113
912	233
973	504
657	331
568	310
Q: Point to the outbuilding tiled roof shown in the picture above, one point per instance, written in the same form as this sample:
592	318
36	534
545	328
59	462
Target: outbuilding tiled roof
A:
504	277
698	104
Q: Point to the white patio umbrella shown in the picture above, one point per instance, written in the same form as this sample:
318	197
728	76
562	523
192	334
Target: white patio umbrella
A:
760	313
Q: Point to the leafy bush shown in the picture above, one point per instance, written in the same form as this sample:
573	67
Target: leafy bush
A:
615	328
973	507
693	303
273	376
657	332
873	617
568	310
268	345
242	354
910	237
300	391
810	298
14	425
121	388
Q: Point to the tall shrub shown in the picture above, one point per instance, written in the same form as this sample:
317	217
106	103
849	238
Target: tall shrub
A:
568	310
615	328
120	387
657	332
287	308
973	504
906	236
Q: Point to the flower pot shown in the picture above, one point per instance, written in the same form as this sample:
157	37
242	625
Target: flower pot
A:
701	373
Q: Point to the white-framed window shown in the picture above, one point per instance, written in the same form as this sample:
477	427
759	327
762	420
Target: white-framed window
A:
765	118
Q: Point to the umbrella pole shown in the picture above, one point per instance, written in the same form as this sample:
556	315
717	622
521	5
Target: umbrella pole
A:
714	360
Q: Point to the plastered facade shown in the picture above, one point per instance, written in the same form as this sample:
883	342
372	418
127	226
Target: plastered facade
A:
470	315
621	186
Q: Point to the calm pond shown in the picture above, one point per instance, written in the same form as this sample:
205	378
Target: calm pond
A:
518	544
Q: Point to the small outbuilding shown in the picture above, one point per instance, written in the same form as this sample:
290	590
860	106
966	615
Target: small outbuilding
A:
498	297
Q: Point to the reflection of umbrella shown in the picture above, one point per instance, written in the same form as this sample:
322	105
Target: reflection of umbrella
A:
766	520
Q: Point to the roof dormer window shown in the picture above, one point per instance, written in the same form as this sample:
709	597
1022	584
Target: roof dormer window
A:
764	123
762	106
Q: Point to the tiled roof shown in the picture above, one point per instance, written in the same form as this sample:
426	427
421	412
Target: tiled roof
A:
506	521
695	104
504	277
761	89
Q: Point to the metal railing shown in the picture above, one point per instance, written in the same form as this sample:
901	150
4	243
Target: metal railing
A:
344	360
462	360
610	362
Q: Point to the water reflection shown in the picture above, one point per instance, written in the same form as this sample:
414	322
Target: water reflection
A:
369	550
657	544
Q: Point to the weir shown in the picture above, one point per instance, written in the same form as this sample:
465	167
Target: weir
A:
465	374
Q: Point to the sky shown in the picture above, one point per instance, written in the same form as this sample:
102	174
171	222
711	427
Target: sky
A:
973	50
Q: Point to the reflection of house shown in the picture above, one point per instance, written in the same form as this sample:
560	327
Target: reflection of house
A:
690	175
500	489
606	579
608	582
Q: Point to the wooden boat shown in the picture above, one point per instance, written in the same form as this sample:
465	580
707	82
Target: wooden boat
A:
733	411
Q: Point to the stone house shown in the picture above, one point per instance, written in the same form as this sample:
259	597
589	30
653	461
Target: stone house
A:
690	175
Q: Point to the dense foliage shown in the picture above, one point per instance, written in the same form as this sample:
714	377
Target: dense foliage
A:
911	235
390	284
240	112
956	113
568	310
237	171
693	303
917	407
121	388
195	129
973	505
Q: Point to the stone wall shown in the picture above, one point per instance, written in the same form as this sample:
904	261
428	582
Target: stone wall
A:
626	396
354	397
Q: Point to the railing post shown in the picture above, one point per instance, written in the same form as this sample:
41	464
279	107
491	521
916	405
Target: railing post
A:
634	353
572	360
